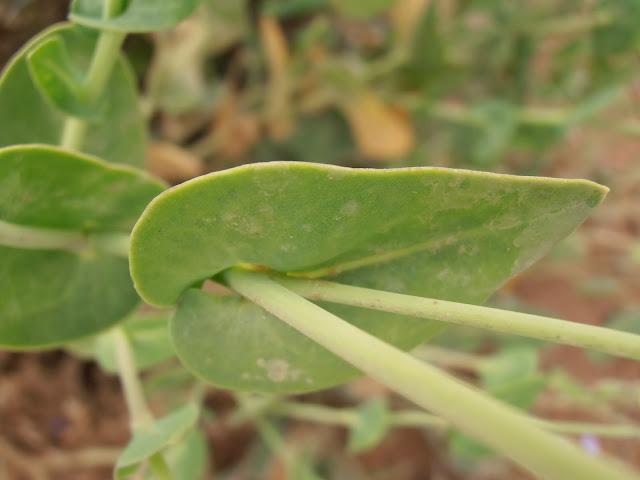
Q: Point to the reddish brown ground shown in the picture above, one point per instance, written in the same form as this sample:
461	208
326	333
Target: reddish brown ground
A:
62	418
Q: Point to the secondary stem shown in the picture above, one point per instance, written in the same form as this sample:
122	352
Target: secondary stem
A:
139	412
104	57
347	417
613	342
473	412
37	238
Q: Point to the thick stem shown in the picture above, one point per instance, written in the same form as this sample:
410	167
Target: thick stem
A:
473	412
613	342
139	413
104	57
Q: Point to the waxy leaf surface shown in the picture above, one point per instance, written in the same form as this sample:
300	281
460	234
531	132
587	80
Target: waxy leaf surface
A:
48	297
139	16
116	133
449	234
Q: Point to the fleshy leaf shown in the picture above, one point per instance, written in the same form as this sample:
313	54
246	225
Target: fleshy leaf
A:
154	437
139	16
117	135
56	79
373	422
49	297
449	234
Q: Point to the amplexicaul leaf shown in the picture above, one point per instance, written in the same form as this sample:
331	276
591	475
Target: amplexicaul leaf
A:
449	234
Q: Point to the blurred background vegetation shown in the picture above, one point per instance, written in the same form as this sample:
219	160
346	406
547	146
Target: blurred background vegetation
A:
530	87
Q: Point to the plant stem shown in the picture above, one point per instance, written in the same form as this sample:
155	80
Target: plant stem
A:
104	57
139	413
40	238
613	342
473	412
347	417
37	238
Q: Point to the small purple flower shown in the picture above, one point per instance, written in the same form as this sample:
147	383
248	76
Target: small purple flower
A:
590	443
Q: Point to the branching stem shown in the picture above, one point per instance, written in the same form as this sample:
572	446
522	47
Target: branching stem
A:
613	342
499	426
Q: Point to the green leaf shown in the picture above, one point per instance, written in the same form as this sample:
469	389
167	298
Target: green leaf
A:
154	437
117	135
56	80
188	458
147	334
48	297
361	9
139	16
449	234
372	426
508	365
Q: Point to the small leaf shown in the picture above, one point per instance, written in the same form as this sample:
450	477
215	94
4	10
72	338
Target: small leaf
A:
49	297
139	16
57	81
372	426
154	437
118	134
187	459
508	365
449	234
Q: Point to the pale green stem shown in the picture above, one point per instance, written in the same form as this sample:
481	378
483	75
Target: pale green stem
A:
139	413
40	238
104	57
449	358
477	414
347	417
36	238
613	342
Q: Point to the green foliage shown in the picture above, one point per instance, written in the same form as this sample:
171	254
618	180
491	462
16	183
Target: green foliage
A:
371	426
118	135
57	296
450	229
138	16
154	437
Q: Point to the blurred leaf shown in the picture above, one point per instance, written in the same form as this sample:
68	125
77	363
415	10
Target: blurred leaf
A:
188	458
149	338
119	135
520	392
49	297
56	79
372	426
361	9
510	364
319	138
293	8
428	54
621	33
279	115
139	16
154	437
380	131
